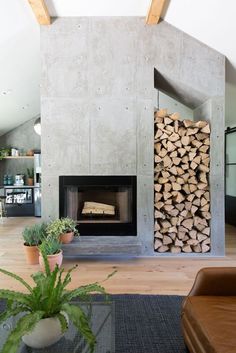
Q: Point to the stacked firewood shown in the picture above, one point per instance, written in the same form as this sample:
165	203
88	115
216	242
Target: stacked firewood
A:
181	186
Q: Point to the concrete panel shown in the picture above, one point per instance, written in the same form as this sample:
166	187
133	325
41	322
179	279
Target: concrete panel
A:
112	60
145	129
145	213
113	137
65	124
50	198
168	44
213	111
202	67
217	176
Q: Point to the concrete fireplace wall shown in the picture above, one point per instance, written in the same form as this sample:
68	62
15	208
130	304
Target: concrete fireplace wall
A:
97	104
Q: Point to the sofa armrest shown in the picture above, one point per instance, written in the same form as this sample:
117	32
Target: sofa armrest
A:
219	281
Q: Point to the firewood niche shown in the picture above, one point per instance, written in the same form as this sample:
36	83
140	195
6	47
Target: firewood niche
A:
181	184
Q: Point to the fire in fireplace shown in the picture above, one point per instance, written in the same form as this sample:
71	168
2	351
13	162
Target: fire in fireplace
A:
102	205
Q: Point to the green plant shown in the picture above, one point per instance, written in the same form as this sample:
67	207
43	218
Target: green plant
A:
48	298
60	226
35	234
50	246
4	151
30	173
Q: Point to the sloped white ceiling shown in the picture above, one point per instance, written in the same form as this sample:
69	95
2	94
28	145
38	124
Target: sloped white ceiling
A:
211	21
19	64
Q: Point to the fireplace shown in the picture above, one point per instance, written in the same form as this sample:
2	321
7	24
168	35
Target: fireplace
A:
102	205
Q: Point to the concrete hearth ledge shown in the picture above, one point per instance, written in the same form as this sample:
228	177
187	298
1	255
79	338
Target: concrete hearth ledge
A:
103	245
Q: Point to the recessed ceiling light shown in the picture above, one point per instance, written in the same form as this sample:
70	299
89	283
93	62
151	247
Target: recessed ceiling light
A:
5	93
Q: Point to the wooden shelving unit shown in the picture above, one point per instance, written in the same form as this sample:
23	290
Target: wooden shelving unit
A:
19	157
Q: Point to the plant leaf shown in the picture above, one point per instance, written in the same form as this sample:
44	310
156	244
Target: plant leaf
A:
46	264
23	326
63	322
67	278
81	322
9	313
84	290
16	277
15	296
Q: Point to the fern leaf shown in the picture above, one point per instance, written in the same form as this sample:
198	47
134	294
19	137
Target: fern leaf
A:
38	277
83	291
15	296
23	326
46	264
9	313
81	322
67	278
17	278
63	322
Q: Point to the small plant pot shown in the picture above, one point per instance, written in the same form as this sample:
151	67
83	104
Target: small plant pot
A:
31	254
30	181
46	332
66	238
53	260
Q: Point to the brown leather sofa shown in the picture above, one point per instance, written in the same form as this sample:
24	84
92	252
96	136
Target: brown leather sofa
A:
209	312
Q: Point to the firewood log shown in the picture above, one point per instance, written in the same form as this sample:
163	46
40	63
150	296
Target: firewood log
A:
205	248
163	248
167	240
175	249
157	243
187	248
161	113
157	187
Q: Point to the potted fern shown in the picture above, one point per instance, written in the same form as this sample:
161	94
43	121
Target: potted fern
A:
42	314
33	236
64	229
51	249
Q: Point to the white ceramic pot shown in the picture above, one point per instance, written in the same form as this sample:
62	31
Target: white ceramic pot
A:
46	332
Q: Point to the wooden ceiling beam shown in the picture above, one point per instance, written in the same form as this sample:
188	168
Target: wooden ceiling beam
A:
155	11
41	12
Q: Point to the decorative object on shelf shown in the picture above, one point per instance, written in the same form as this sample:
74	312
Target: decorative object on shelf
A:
14	152
19	180
48	299
33	236
30	153
37	126
7	180
63	229
30	178
51	248
4	152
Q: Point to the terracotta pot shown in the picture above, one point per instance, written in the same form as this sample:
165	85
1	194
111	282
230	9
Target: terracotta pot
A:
52	260
30	181
32	254
45	333
66	238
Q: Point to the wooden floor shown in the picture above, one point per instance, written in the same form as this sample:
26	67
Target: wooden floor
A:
139	275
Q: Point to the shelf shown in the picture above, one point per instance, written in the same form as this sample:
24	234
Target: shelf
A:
19	157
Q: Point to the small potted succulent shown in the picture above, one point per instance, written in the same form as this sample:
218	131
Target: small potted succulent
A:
64	229
30	176
4	152
33	236
43	313
51	249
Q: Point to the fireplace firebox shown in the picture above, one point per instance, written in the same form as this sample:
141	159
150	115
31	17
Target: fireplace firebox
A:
102	205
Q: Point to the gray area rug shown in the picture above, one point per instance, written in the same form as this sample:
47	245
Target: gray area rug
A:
145	323
148	324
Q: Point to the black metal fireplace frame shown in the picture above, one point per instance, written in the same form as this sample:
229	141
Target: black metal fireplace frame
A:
124	229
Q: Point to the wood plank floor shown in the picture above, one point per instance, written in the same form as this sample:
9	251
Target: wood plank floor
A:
134	275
